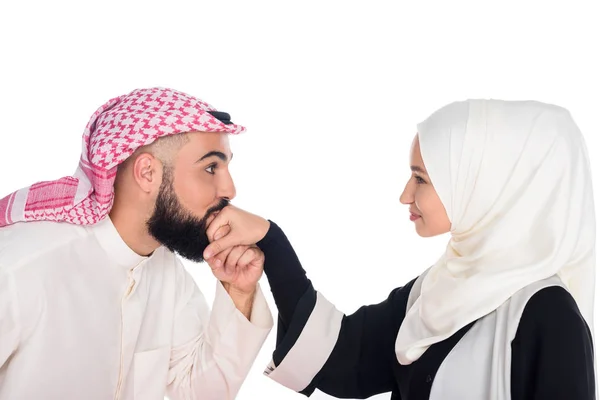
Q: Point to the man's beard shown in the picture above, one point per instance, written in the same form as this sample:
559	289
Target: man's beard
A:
177	228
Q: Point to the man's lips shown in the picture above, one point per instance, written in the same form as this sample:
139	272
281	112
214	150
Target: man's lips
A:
212	217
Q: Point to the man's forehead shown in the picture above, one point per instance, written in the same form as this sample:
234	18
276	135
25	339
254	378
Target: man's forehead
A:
204	144
210	138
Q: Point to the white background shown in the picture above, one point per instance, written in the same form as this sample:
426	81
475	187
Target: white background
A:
331	92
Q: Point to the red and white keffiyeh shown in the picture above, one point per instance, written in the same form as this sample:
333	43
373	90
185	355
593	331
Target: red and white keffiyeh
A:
114	132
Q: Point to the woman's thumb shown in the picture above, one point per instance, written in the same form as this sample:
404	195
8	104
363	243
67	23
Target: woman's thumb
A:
221	232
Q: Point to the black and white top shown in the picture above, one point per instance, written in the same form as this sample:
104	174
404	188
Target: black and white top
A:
548	354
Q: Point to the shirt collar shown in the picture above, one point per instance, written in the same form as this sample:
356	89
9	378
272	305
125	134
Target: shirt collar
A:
114	245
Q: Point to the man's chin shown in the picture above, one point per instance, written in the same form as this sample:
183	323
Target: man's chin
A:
195	256
190	251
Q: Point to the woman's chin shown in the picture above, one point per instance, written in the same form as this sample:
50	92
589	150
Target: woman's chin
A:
424	231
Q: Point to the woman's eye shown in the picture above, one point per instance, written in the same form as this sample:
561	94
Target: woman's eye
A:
420	180
211	169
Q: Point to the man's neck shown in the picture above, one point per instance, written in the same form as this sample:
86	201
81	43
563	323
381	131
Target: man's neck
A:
133	230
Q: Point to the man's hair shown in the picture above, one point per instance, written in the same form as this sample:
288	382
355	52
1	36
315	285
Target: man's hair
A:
164	148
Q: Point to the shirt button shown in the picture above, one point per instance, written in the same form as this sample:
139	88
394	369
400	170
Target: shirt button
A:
428	379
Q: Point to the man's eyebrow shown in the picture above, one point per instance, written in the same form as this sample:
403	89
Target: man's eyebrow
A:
218	154
416	168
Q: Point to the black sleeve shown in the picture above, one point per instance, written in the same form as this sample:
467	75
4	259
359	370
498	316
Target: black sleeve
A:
552	354
361	362
284	272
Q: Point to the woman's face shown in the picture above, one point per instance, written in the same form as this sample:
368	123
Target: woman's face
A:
426	208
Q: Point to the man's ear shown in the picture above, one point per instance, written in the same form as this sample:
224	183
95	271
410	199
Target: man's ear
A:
147	172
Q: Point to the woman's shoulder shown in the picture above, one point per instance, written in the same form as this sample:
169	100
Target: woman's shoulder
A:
552	351
399	296
552	311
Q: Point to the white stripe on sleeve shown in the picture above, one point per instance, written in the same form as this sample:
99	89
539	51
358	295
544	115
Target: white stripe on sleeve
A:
312	349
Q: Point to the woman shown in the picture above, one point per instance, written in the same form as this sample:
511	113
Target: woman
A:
506	311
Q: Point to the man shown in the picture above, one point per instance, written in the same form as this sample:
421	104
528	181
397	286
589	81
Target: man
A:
93	302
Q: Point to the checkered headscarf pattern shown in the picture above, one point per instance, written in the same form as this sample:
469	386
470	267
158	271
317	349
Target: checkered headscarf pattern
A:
113	133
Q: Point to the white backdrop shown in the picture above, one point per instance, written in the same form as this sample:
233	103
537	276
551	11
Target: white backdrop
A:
330	91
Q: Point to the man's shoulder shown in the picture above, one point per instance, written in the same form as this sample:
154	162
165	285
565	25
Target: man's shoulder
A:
25	241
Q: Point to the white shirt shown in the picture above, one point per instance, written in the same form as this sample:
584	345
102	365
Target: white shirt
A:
82	316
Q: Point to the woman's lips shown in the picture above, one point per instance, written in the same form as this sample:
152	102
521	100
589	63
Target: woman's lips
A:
414	217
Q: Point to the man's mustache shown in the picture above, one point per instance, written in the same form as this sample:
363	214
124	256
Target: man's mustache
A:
221	205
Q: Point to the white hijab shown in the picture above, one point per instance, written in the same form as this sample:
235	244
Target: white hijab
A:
514	178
